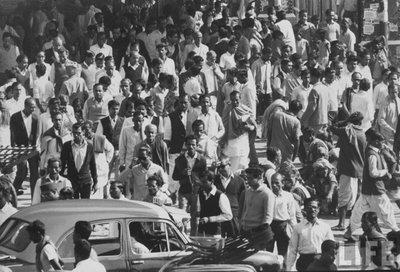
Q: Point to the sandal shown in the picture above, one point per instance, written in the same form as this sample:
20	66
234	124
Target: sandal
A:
338	228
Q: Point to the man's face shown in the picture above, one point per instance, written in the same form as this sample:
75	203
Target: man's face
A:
304	17
252	181
339	68
90	60
116	33
98	92
115	191
330	77
88	131
24	63
110	67
365	60
152	187
57	121
18	90
30	107
125	87
232	49
393	78
286	52
211	60
113	110
101	40
277	183
57	44
330	16
205	103
150	133
351	66
198	39
142	109
198	130
235	100
356	79
393	91
162	51
191	146
143	157
77	133
184	103
288	67
63	57
7	42
306	79
312	210
205	184
266	56
40	57
54	168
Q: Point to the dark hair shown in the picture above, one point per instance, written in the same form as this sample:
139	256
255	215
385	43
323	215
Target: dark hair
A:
89	54
105	81
197	123
100	56
304	72
255	172
314	72
156	62
83	228
328	245
113	103
40	70
140	102
308	131
98	84
53	160
157	178
242	73
295	106
66	193
37	226
21	57
365	85
76	126
109	58
190	138
308	201
373	135
141	82
272	153
82	249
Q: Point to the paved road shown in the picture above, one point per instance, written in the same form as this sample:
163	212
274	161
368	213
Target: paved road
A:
348	256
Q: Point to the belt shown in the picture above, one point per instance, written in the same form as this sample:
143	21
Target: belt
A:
309	254
257	229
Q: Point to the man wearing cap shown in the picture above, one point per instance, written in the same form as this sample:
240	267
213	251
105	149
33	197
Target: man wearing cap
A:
256	211
198	47
352	144
326	262
373	193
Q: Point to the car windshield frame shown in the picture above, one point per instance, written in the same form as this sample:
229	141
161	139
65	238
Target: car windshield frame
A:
6	230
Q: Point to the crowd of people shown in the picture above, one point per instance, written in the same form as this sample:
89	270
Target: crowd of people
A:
168	112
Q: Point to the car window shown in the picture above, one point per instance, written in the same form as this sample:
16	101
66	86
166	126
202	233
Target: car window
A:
154	237
13	235
105	240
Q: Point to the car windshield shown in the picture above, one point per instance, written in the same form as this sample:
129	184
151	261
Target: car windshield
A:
13	235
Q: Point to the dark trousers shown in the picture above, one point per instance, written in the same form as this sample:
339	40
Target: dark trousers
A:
280	236
253	152
82	190
261	237
304	261
22	172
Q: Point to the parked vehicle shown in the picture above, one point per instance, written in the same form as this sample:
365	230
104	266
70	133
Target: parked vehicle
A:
117	227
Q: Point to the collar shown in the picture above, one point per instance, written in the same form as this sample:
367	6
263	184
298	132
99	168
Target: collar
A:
82	145
188	157
113	120
24	115
213	191
52	180
317	222
374	148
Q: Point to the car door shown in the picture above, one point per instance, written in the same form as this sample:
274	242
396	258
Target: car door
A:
153	243
107	240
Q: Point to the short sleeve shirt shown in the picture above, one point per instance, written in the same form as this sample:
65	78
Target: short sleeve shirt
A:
48	253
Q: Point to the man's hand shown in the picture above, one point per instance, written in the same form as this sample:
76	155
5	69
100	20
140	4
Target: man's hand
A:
204	220
95	187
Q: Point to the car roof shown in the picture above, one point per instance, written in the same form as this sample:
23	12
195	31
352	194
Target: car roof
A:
90	209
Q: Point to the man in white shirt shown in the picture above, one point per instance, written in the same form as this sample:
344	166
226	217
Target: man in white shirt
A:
115	77
332	28
284	26
212	73
213	125
53	176
168	65
347	36
284	214
83	261
40	57
101	46
43	89
6	209
16	103
307	238
199	48
227	60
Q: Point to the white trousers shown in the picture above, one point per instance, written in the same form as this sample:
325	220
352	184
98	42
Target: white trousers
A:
375	203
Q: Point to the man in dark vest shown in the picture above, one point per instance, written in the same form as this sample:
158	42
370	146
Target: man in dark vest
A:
232	184
111	127
134	67
24	129
215	210
373	193
188	166
175	125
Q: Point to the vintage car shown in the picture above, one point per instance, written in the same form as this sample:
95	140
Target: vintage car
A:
118	226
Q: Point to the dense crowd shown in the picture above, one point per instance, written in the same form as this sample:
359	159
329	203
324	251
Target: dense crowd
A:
168	112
